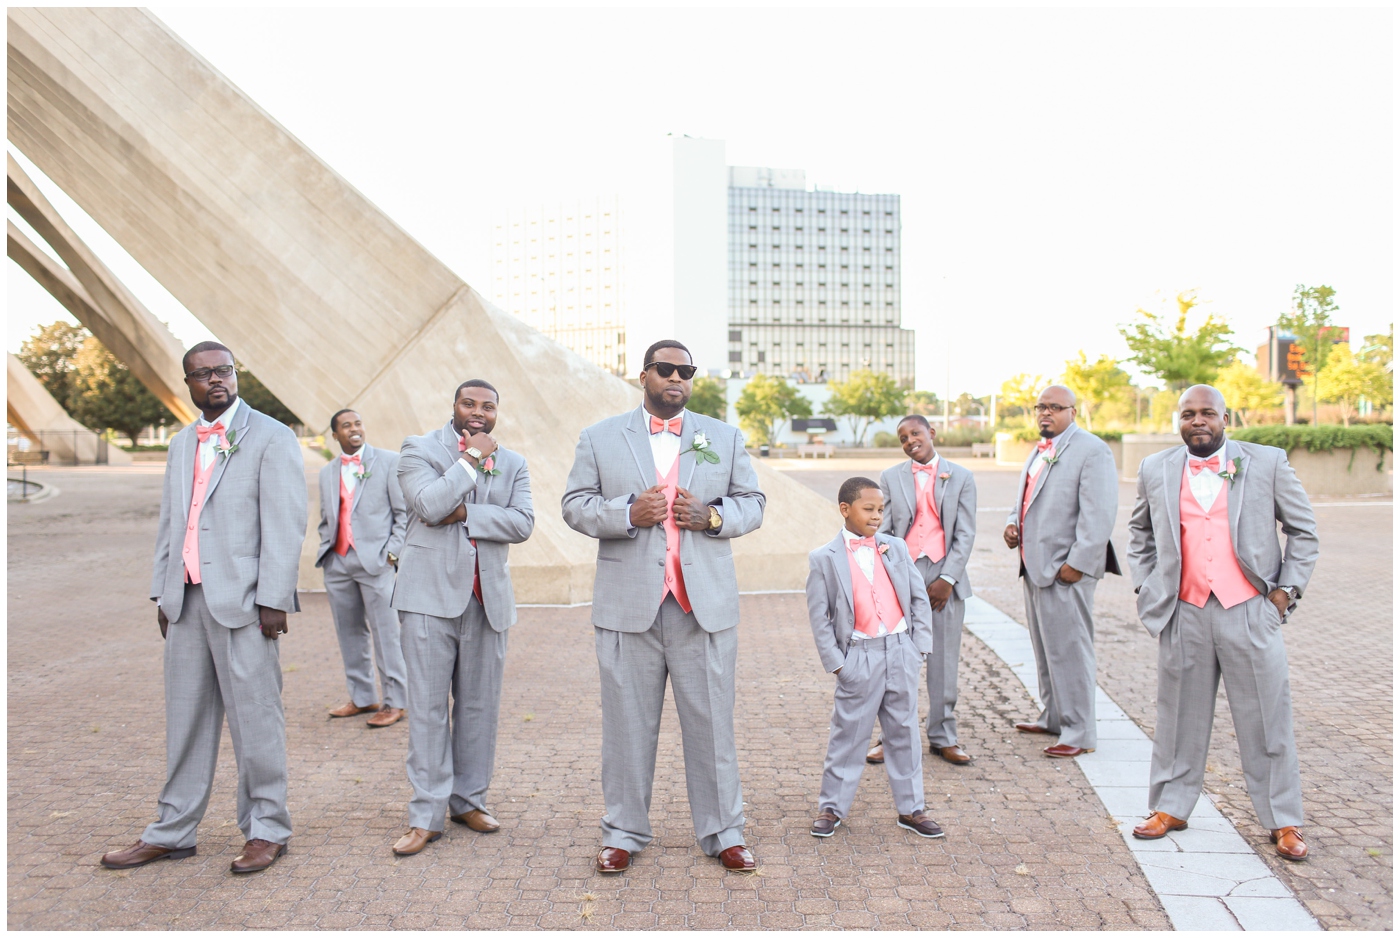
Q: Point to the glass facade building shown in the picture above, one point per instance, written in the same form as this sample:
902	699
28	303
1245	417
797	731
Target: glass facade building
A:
814	280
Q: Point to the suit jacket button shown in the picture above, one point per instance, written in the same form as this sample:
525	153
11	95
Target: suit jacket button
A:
661	563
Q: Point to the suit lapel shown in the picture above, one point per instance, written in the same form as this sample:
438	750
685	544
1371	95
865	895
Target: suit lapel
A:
639	442
1172	468
940	492
185	456
900	584
843	571
1065	440
686	470
240	437
485	487
908	489
1235	496
366	459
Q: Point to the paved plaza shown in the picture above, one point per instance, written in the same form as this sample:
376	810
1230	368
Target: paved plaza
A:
1029	844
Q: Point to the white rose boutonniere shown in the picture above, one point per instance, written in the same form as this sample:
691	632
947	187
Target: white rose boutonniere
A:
700	446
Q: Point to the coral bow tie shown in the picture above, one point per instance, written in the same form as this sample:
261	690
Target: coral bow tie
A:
204	433
855	542
670	426
1213	464
1043	445
350	459
922	468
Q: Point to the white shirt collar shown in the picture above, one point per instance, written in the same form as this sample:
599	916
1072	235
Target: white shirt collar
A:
1220	452
846	533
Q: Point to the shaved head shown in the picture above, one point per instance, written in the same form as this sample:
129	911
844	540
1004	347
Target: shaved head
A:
1202	414
1207	393
1059	394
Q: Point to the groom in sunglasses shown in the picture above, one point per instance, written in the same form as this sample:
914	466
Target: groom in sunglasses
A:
662	490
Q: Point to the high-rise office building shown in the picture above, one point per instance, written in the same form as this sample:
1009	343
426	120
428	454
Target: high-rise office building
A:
814	280
559	267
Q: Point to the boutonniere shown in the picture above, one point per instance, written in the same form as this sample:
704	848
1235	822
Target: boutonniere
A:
944	476
488	465
226	451
362	476
884	548
700	446
1230	471
1050	460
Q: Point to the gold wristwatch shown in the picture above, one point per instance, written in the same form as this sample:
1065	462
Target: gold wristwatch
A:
716	519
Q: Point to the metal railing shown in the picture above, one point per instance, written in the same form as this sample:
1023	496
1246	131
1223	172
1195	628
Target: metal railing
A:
57	448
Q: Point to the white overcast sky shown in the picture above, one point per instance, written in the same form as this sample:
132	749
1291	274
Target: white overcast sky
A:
1058	169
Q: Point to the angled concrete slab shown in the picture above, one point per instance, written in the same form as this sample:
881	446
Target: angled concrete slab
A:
32	410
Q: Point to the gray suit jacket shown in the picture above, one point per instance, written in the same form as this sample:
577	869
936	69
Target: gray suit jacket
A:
831	605
251	526
612	466
378	519
1072	510
437	563
958	492
1265	492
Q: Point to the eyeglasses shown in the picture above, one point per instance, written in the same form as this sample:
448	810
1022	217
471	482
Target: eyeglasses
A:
202	374
1049	408
666	369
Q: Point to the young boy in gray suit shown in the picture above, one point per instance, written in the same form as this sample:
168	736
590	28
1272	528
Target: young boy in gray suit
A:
873	626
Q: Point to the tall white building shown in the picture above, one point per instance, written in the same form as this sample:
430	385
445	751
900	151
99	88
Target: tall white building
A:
814	280
559	267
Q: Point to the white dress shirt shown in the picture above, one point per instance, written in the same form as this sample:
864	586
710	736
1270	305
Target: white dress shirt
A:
922	480
348	470
865	559
665	447
207	450
1205	485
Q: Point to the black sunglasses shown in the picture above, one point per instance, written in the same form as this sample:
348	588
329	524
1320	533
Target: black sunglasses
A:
666	369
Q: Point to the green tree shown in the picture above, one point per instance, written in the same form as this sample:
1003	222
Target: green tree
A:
863	398
1345	380
1180	358
766	402
1380	349
107	396
1246	391
707	397
257	396
923	402
1020	392
49	355
1310	322
1094	383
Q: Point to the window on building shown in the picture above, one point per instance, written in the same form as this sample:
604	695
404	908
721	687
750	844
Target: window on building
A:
736	357
736	335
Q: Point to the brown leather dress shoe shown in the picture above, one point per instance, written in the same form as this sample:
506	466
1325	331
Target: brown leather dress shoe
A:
258	854
1289	843
612	860
825	825
385	717
876	755
414	841
350	710
1158	825
921	824
738	858
479	821
1034	728
1064	751
953	754
141	853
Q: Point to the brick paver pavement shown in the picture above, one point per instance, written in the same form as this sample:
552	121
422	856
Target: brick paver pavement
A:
1341	670
1028	845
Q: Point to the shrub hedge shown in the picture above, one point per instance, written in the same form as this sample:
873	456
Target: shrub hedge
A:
1323	438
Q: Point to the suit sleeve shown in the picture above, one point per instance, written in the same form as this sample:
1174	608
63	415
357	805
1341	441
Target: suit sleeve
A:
1142	541
510	523
323	529
399	531
819	615
585	508
742	506
282	517
1013	520
1294	512
432	495
1098	509
921	613
887	519
162	558
960	550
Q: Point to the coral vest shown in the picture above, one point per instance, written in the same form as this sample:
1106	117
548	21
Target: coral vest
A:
876	602
197	500
1208	563
675	582
344	537
926	536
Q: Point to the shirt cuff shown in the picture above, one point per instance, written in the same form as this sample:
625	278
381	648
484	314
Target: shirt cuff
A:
471	471
951	581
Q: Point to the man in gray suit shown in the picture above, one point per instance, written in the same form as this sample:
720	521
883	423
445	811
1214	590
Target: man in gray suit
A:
468	501
363	522
931	503
232	519
1065	508
663	490
1214	588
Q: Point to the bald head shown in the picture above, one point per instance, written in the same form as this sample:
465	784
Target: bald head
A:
1060	395
1202	410
1054	412
1205	394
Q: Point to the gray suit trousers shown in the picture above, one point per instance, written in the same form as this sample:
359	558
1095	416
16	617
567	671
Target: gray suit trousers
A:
1244	644
1061	620
450	764
367	629
943	662
210	670
880	678
633	667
